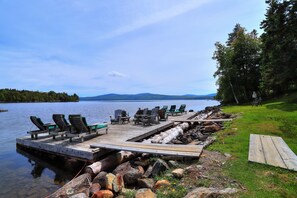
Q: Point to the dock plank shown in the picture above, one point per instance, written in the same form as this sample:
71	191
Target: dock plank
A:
175	150
288	156
274	152
271	154
256	153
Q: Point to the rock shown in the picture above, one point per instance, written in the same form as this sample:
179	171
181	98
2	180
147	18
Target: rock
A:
174	141
159	166
103	194
108	181
212	128
146	183
203	192
161	183
122	168
132	176
178	173
94	188
148	171
173	163
79	195
101	179
140	169
145	193
118	183
227	155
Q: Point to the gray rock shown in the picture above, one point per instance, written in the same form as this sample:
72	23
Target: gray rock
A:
203	192
122	169
146	183
132	176
158	167
173	164
148	172
100	178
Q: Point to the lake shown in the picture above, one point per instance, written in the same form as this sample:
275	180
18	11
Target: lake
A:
26	174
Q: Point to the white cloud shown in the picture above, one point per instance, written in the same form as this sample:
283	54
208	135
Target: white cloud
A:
117	74
157	17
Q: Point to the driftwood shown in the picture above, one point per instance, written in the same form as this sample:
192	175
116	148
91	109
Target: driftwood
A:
80	184
110	162
168	135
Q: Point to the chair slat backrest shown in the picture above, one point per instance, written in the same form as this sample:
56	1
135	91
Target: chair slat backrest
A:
165	107
154	114
37	122
117	114
62	123
79	123
162	113
182	107
172	108
124	113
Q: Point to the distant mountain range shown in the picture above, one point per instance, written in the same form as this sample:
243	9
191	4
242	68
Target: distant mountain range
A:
147	96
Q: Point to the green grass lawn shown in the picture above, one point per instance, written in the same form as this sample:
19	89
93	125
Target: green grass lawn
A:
278	118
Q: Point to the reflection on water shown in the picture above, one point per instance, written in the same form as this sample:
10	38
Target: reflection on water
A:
64	170
36	174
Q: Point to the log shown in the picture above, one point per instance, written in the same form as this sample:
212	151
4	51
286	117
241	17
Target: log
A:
168	135
75	186
110	162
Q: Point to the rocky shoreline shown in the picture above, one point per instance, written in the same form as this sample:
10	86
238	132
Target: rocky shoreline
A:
166	176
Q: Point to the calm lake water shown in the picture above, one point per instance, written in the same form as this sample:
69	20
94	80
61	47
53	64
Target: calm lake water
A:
26	174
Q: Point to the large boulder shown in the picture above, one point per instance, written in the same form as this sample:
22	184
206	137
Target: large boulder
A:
145	193
158	167
203	192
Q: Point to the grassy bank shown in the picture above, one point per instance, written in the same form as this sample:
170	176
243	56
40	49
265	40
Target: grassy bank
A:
278	118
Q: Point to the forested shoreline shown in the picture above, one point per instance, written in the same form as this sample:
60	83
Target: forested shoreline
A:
13	95
264	64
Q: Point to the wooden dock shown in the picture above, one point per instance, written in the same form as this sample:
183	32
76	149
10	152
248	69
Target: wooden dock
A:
271	150
82	151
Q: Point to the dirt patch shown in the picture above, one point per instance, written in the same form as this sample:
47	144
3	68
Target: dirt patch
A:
208	172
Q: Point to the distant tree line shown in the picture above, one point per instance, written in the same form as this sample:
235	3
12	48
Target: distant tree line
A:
265	64
13	95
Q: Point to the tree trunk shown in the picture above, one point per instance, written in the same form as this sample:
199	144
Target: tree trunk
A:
237	102
110	162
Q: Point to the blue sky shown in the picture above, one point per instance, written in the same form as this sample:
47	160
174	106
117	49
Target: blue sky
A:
92	47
